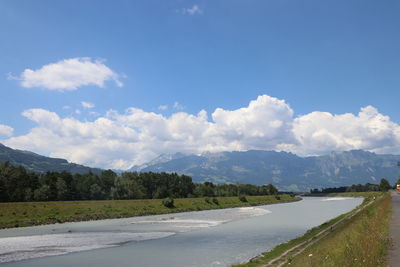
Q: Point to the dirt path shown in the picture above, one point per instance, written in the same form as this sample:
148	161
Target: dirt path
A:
393	257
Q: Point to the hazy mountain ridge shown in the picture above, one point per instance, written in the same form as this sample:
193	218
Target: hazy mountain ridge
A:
37	163
286	170
160	159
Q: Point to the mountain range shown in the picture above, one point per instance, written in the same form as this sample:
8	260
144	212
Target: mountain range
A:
287	171
40	164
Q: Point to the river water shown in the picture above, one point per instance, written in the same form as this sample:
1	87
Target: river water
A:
204	238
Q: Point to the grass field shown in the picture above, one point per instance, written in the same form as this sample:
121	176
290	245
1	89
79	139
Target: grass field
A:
363	241
17	214
359	241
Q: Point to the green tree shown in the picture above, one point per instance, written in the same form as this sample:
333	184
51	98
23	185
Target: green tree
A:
384	185
62	190
50	179
272	190
28	194
42	193
161	192
96	192
107	178
205	190
126	187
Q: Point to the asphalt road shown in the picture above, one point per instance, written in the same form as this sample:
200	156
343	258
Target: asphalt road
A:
393	256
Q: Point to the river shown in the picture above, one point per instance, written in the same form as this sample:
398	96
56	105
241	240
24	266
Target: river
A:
204	238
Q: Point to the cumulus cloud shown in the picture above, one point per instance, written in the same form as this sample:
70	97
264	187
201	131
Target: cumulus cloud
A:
120	140
163	107
319	132
194	10
6	130
178	106
87	104
68	75
266	122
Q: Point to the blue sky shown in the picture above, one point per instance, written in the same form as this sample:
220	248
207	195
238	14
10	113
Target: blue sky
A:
316	56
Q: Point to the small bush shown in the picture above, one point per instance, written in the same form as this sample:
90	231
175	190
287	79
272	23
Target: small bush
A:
168	202
243	199
207	200
277	197
215	201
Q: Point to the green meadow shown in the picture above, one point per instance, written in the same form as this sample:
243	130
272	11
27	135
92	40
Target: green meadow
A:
18	214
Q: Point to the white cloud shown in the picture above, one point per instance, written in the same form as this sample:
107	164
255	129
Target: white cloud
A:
85	104
266	122
66	107
163	107
6	130
194	10
178	106
68	75
120	140
320	132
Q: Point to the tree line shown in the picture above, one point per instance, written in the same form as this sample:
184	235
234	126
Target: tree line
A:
384	185
16	184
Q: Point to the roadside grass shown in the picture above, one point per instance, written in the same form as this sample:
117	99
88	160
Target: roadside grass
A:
362	241
265	258
18	214
278	250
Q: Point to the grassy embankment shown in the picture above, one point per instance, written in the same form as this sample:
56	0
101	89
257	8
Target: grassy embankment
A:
17	214
360	240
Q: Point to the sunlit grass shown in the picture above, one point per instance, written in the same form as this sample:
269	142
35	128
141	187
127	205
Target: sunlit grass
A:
345	228
363	241
17	214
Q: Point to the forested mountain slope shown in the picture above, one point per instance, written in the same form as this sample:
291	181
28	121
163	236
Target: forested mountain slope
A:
37	163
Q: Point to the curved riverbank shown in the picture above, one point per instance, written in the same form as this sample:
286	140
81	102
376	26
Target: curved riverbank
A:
19	214
218	237
322	242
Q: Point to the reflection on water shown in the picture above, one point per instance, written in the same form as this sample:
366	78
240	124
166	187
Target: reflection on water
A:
204	238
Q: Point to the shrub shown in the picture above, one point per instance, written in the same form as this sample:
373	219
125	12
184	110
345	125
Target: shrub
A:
243	199
207	200
215	201
168	202
277	197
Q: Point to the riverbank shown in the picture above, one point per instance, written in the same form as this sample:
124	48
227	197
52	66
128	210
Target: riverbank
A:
357	238
18	214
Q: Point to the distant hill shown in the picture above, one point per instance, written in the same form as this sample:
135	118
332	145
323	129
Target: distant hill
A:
37	163
285	170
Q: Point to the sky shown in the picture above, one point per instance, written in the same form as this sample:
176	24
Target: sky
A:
113	84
